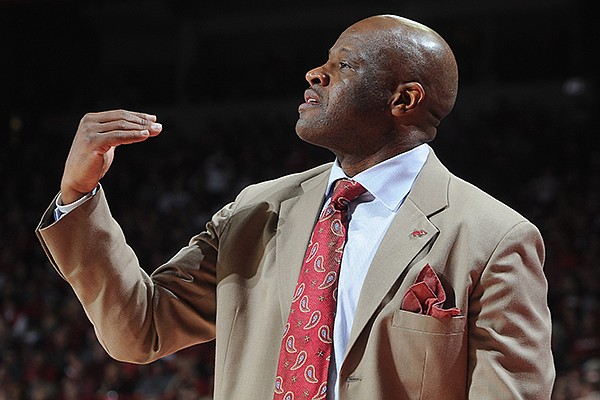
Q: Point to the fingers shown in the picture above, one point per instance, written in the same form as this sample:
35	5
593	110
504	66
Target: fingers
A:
116	138
116	115
153	128
113	128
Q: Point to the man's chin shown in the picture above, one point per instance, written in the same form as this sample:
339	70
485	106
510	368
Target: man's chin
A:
306	132
312	136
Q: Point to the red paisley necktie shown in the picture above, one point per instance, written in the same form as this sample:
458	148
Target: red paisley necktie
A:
307	340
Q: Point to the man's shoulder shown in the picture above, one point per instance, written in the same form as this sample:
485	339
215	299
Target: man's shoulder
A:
285	186
475	201
453	201
481	217
466	203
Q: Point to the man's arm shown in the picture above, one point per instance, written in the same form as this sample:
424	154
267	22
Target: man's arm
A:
137	318
509	322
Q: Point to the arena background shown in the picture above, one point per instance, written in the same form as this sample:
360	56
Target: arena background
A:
225	79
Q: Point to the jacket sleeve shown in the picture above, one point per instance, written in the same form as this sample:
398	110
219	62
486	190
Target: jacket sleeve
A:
509	322
137	318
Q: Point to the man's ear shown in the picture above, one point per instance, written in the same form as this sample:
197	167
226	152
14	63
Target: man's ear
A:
406	98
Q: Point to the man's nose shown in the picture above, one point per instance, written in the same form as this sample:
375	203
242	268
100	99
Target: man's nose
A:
317	76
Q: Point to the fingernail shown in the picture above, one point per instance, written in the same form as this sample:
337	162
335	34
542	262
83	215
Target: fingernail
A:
156	126
145	132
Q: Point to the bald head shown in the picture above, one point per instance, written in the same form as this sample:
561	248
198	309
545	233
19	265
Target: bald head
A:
411	52
386	85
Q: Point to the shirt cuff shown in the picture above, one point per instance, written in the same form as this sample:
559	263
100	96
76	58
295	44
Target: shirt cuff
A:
63	209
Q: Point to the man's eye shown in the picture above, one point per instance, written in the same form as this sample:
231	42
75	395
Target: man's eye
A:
344	65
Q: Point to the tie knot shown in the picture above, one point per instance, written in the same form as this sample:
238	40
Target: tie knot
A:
344	191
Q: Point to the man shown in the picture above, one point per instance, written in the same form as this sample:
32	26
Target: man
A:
441	293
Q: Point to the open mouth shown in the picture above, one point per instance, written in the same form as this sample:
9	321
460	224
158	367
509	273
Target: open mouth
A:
311	97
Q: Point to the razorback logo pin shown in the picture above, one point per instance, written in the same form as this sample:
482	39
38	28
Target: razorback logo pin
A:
417	233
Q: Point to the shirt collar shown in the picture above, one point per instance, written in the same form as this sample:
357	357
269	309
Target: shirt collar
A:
389	181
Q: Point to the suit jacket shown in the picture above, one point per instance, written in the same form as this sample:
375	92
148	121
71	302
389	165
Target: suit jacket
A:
235	281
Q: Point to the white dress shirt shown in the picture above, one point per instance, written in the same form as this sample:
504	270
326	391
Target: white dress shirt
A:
371	214
63	209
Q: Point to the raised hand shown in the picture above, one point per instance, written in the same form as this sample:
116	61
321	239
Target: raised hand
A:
93	147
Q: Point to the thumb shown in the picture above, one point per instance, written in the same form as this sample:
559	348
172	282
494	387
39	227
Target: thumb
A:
109	156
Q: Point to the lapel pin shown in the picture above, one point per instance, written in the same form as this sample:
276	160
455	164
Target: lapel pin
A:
418	233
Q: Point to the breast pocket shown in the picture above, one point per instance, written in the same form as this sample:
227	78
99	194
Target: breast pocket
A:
426	324
433	353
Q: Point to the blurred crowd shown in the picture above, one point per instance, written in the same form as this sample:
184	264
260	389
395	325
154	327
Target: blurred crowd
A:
163	191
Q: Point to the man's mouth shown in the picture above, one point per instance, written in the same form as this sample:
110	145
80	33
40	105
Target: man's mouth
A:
311	97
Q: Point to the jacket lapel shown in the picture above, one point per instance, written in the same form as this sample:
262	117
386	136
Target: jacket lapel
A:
404	243
297	216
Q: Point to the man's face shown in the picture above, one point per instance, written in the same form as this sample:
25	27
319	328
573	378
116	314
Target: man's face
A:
346	108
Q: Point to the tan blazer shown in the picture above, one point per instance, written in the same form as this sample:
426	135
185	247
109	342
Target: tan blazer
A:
236	281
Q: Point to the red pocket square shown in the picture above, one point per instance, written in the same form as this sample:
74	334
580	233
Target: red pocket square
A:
427	296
